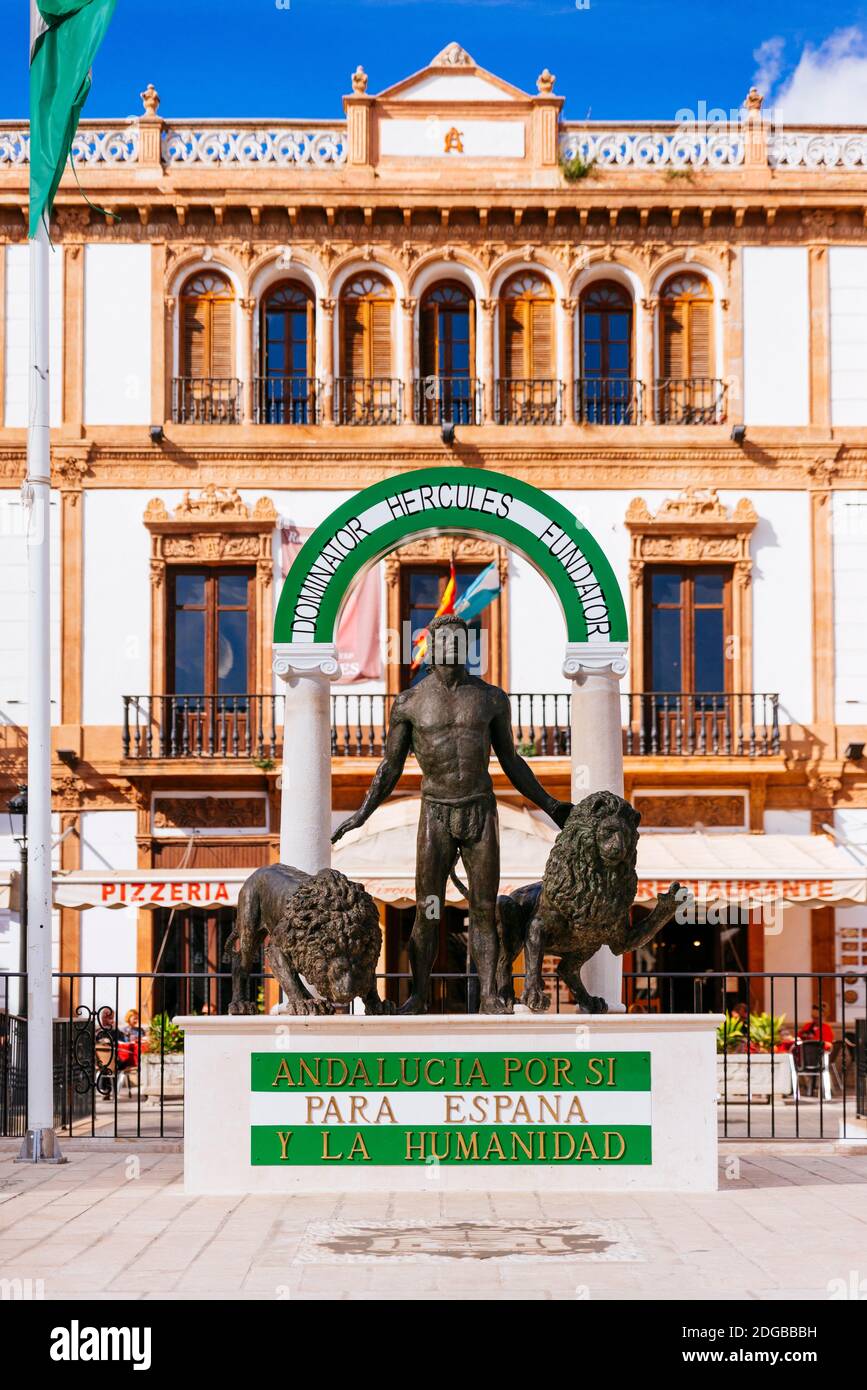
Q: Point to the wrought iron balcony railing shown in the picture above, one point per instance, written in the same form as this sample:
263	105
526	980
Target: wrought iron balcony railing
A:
689	400
715	724
608	400
251	726
286	400
206	400
201	726
370	400
528	401
442	400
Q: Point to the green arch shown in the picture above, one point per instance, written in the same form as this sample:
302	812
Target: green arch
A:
472	501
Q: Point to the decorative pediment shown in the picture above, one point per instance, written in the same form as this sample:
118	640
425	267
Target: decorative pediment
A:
453	76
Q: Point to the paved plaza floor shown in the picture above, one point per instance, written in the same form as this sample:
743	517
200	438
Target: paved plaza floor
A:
115	1223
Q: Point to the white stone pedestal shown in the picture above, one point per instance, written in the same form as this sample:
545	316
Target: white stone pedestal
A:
471	1103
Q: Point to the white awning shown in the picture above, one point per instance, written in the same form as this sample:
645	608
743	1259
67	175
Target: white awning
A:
381	855
809	870
804	870
152	888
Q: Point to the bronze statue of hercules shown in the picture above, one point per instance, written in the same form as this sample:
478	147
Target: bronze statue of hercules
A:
451	720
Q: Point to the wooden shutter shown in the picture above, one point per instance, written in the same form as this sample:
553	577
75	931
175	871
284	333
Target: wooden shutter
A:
195	338
674	350
354	338
514	338
542	321
222	358
380	337
700	340
428	345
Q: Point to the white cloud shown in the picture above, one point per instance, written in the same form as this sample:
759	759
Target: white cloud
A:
828	84
769	57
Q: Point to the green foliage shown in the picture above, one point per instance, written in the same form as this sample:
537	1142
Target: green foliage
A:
676	174
730	1034
527	748
264	764
164	1035
577	168
766	1031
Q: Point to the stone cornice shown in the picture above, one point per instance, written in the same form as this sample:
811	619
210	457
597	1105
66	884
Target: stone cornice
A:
338	463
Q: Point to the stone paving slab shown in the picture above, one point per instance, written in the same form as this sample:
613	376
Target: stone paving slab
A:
117	1225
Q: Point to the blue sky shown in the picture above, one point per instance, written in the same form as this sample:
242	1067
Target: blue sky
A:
618	59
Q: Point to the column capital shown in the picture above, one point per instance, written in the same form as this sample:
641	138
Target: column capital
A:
596	659
292	659
409	306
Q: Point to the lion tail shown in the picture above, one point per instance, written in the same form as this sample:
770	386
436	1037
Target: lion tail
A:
246	928
461	887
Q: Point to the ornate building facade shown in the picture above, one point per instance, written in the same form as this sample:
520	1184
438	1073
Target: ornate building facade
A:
664	326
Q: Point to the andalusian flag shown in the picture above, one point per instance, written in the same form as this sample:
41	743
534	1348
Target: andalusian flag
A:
479	594
447	605
64	36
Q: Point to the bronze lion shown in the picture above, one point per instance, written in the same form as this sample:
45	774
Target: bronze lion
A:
582	903
322	927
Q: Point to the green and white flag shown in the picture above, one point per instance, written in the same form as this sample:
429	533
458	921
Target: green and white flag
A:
64	37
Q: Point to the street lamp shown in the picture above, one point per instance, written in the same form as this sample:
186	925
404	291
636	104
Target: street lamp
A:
17	808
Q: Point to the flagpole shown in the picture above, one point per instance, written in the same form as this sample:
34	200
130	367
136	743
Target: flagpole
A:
40	1144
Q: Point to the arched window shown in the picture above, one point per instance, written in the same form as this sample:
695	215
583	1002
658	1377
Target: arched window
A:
447	353
208	390
367	394
286	389
527	391
688	393
608	394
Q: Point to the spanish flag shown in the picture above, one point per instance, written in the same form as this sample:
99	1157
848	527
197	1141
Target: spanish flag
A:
64	37
447	605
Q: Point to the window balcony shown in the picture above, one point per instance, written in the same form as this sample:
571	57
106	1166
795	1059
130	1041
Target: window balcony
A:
286	400
716	725
528	401
374	400
609	400
441	400
206	400
689	400
201	726
251	726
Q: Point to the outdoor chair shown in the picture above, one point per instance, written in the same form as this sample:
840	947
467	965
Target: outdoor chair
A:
809	1059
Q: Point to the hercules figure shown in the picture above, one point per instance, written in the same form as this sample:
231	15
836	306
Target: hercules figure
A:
451	720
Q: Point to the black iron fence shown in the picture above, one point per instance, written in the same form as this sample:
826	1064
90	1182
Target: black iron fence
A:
689	400
528	401
199	726
250	726
441	400
374	400
206	400
740	724
791	1057
604	400
286	400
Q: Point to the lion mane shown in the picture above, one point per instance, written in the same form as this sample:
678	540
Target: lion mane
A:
576	874
329	916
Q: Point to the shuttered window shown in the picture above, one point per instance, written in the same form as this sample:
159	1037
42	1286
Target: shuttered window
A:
686	347
527	332
207	339
367	309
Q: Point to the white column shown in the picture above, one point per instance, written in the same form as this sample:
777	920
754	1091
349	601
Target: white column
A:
595	670
40	1144
307	668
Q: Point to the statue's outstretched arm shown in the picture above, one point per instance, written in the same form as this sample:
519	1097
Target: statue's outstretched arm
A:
519	773
385	779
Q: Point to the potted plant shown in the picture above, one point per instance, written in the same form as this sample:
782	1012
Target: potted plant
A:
162	1062
752	1067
